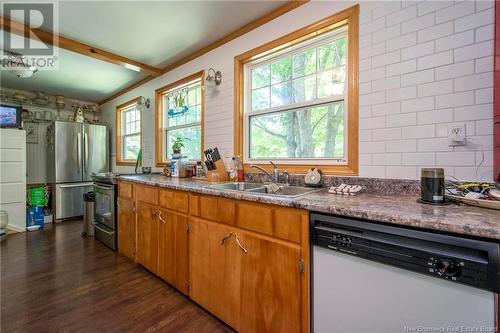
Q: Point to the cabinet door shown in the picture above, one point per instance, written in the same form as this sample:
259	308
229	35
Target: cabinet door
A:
147	236
126	228
214	270
270	285
173	249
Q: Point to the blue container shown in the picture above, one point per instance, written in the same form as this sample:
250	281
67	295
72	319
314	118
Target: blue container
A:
34	216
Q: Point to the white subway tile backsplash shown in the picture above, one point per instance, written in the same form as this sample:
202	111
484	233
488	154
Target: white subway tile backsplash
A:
401	42
418	104
485	33
476	81
403	119
402	146
454	41
475	20
417	77
409	93
435	32
401	68
418	50
457	99
419	132
401	16
387	33
484	64
401	94
455	70
474	51
435	88
435	60
385	109
418	23
473	112
435	116
458	10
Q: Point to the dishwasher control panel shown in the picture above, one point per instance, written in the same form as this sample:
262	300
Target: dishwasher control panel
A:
468	261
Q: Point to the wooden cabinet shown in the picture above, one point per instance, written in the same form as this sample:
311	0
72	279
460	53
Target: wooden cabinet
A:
147	236
173	249
245	262
214	270
270	285
126	227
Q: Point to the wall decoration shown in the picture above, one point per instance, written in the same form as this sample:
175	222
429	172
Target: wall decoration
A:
31	132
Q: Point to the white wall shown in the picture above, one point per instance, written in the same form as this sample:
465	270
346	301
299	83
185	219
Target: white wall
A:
36	152
423	66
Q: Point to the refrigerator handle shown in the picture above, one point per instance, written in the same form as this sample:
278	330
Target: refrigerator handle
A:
86	152
78	150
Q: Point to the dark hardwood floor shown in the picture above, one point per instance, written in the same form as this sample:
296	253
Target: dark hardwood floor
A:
53	280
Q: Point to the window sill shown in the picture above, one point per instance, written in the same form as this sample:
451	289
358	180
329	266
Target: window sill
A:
125	163
339	170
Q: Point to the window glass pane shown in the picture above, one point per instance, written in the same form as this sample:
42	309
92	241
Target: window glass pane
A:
304	63
260	99
313	132
331	82
281	94
332	54
192	147
304	89
131	146
281	70
261	76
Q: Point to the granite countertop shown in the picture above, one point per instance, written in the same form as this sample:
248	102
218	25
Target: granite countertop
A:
399	209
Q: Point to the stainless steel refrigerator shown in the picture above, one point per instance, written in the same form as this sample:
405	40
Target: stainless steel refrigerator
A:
74	152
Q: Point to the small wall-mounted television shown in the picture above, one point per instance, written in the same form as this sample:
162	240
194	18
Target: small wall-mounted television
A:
10	116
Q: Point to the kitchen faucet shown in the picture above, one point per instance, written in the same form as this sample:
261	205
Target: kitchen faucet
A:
275	176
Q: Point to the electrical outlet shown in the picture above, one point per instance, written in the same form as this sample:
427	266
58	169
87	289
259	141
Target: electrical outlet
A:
456	135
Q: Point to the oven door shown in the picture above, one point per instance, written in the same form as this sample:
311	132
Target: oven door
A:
104	211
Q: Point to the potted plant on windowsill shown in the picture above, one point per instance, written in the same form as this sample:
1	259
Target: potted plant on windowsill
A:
177	145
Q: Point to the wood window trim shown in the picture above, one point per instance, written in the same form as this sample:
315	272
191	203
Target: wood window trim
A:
350	17
159	147
118	137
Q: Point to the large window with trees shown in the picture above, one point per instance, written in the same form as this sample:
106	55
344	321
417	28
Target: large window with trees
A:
297	98
128	133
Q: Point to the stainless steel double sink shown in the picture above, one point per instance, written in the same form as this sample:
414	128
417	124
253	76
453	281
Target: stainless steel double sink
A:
285	191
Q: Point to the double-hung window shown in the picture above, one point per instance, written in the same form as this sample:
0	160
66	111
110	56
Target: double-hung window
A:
180	116
128	138
297	103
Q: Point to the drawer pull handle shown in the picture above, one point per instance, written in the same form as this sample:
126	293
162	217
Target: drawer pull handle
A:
161	218
239	243
225	237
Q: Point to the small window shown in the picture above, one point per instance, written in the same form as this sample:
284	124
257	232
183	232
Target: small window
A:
128	138
296	101
180	115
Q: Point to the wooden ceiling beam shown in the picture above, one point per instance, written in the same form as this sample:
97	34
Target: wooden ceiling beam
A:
233	35
62	42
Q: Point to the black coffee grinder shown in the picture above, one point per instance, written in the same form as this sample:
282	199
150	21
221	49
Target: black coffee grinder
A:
432	186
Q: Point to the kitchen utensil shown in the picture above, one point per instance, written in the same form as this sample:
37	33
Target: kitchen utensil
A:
432	185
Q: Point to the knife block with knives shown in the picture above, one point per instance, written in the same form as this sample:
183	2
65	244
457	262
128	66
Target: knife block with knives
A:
214	163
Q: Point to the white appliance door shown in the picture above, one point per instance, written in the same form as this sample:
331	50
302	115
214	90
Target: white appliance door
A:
351	294
95	150
68	146
69	199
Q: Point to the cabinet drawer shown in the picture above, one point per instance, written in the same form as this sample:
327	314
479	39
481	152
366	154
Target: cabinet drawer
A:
146	194
284	223
125	190
213	208
174	200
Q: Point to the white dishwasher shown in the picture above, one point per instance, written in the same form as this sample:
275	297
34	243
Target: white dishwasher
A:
375	278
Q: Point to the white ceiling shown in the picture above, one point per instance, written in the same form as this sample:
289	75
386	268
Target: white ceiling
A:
157	33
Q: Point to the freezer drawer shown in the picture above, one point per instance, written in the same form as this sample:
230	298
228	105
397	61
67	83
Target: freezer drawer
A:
69	199
106	235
